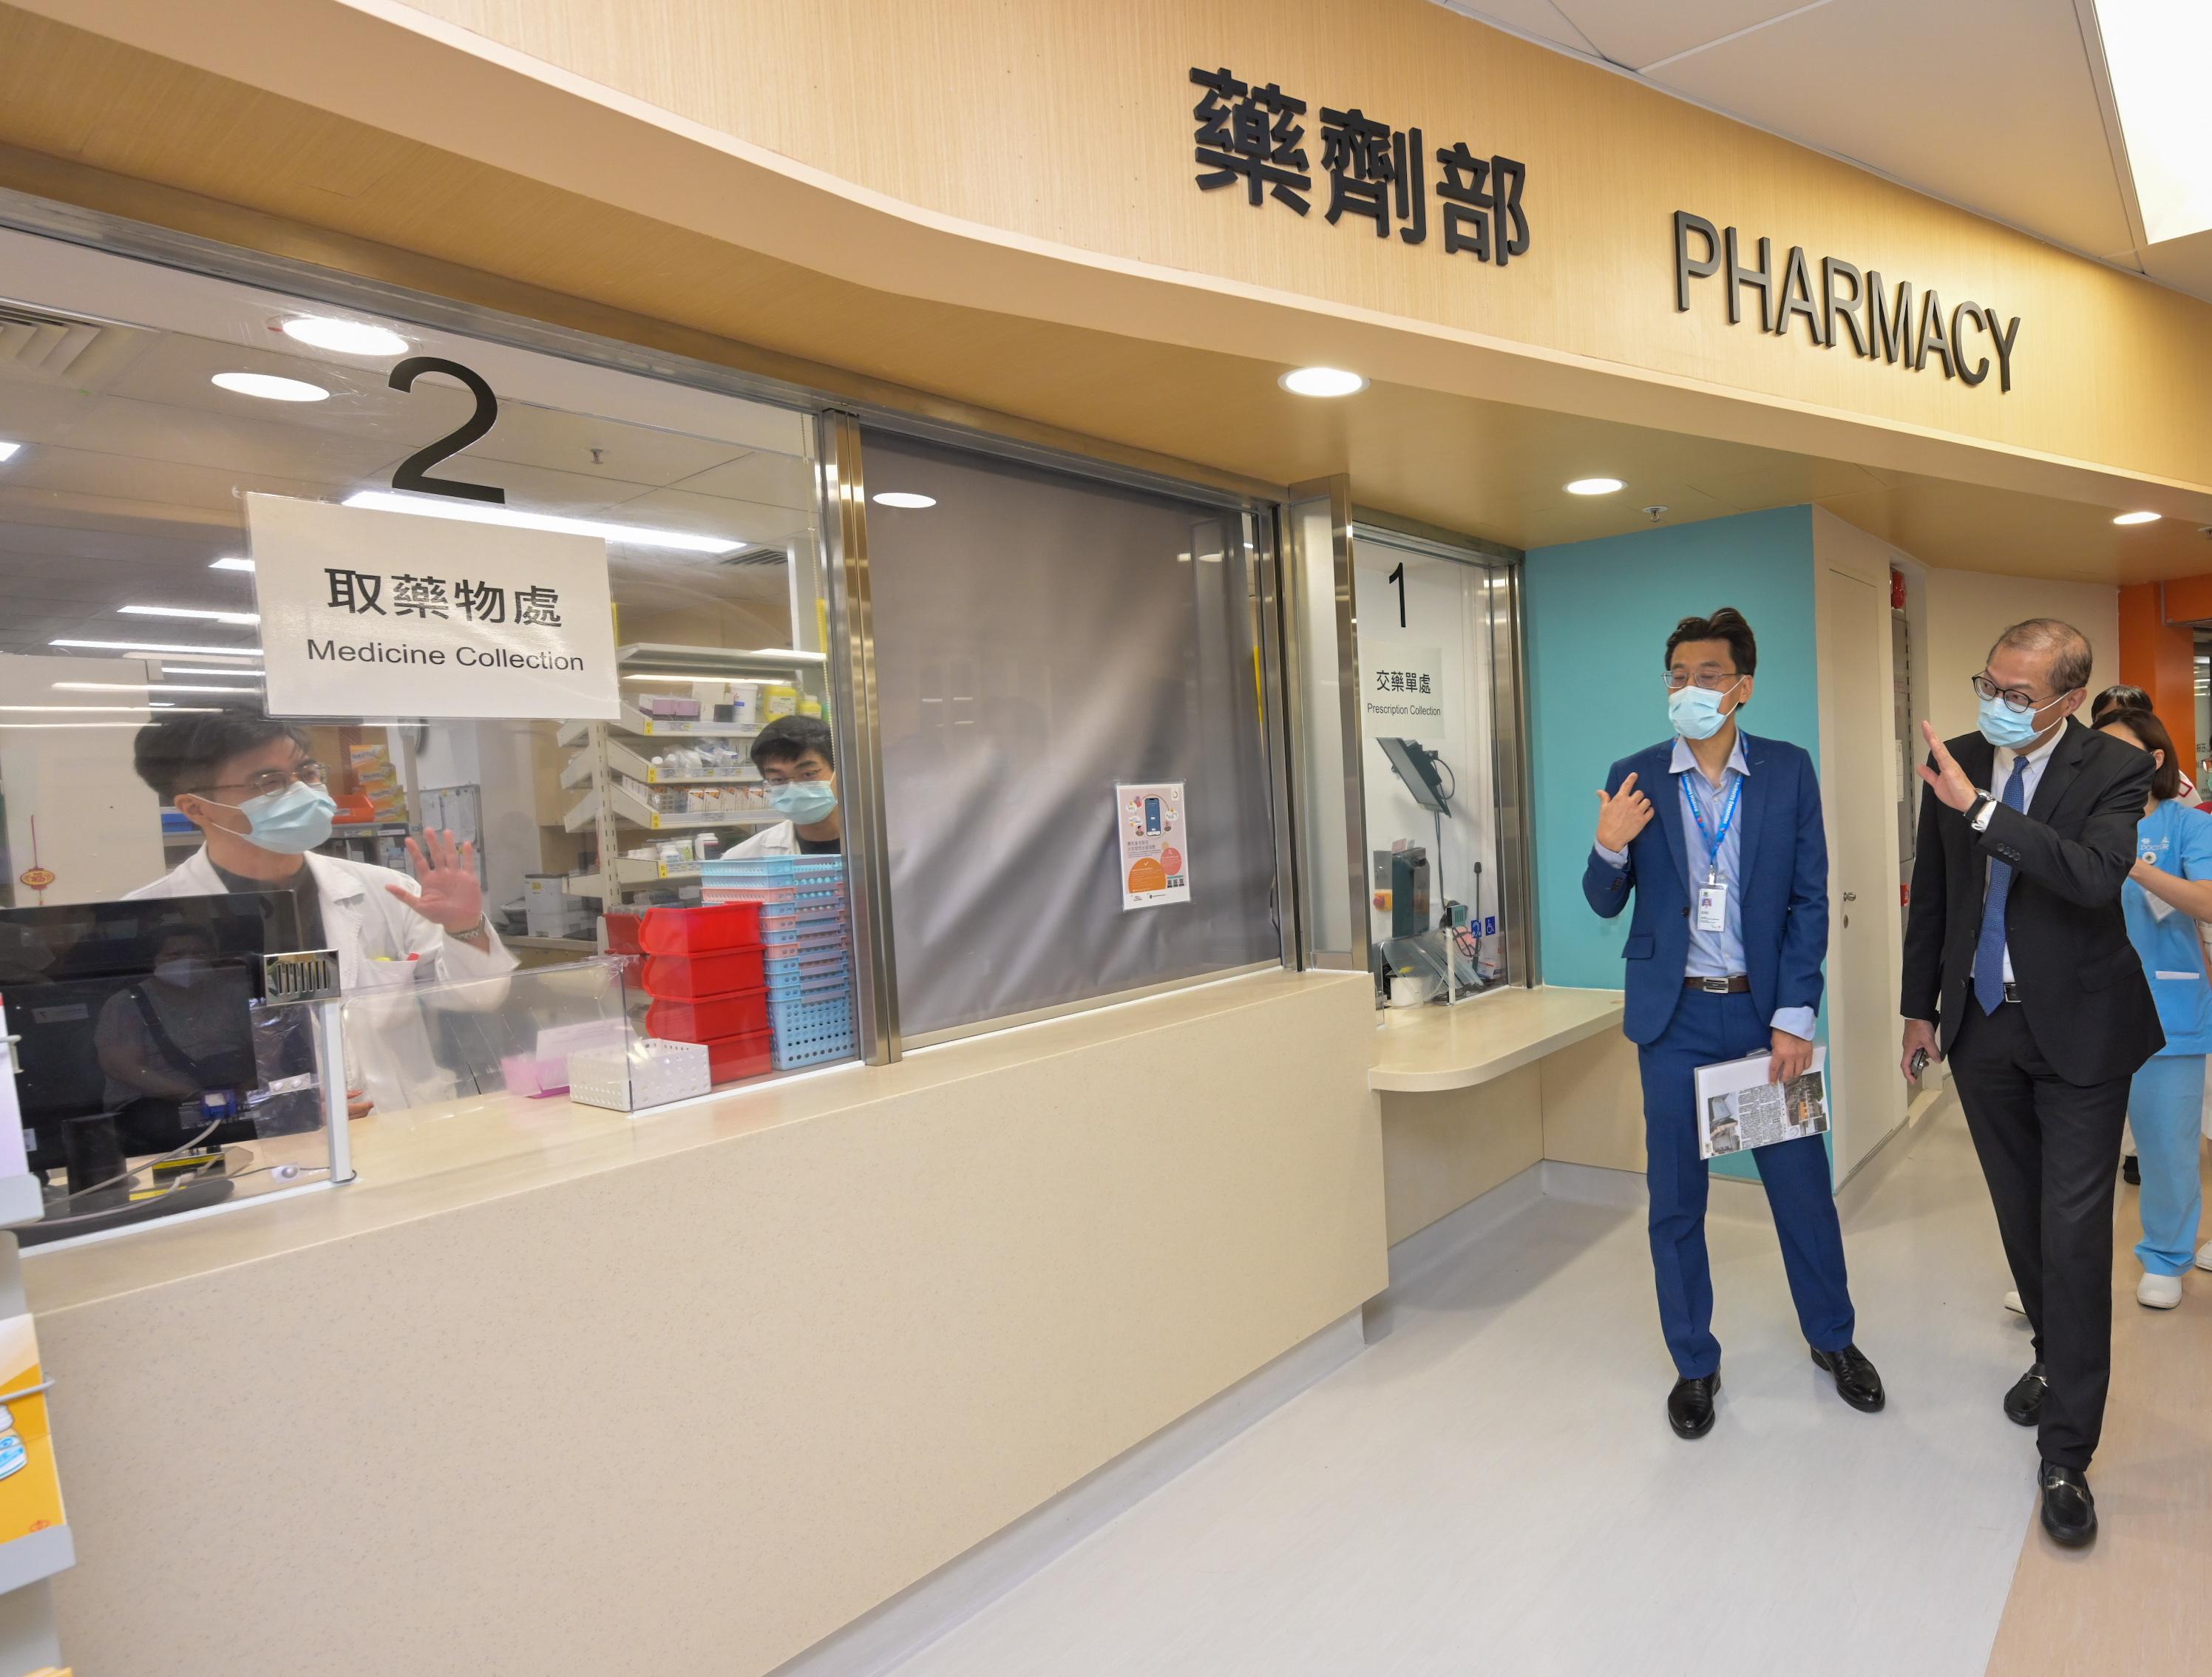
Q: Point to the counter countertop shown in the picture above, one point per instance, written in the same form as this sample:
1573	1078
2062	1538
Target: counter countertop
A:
1418	1050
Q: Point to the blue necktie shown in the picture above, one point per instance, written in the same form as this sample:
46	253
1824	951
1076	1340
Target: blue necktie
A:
1989	951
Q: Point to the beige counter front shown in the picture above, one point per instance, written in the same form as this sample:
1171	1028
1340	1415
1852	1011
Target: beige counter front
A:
684	1394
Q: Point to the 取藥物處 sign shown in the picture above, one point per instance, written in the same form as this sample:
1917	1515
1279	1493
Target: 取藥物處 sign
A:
370	613
1258	136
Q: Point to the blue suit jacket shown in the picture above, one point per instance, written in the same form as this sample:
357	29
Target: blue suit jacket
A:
1784	862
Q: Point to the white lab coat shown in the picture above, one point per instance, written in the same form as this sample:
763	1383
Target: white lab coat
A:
781	840
388	1054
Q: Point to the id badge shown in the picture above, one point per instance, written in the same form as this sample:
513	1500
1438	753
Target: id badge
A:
1712	907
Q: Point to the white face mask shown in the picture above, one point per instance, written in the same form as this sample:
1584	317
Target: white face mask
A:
181	971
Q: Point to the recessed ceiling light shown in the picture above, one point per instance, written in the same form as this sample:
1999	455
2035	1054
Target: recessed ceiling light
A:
146	687
237	619
2136	518
1322	381
345	337
158	646
1594	486
903	498
7	449
232	563
470	511
270	387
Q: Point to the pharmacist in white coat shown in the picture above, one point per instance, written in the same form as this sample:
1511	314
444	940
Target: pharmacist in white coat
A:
796	756
250	786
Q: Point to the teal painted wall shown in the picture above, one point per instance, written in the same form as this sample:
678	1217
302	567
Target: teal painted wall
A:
1597	617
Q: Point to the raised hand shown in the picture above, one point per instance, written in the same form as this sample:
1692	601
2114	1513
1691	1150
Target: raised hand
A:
450	896
1947	780
1623	815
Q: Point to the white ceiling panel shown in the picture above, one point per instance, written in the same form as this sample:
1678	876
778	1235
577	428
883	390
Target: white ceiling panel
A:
1639	33
1540	20
1997	106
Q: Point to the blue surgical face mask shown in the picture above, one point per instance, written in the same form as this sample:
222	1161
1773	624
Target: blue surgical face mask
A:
290	822
804	803
1695	712
2001	724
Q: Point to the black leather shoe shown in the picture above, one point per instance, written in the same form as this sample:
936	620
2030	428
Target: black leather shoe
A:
2024	1403
2069	1512
1856	1382
1690	1406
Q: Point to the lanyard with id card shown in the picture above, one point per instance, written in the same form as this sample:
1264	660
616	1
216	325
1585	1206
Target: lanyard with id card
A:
1713	895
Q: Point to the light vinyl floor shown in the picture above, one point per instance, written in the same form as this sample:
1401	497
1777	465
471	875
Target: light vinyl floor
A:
1494	1488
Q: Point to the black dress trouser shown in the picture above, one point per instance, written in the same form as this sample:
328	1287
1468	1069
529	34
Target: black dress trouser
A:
2050	1151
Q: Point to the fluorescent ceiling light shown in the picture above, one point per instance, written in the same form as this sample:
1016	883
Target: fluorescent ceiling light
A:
232	563
98	710
240	674
345	337
9	448
789	652
2156	51
240	619
139	722
680	678
2136	518
903	498
269	387
1594	486
158	646
148	687
1322	381
470	511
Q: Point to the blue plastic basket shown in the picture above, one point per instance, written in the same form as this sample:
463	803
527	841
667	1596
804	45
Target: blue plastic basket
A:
825	959
783	899
800	923
772	871
811	988
808	1033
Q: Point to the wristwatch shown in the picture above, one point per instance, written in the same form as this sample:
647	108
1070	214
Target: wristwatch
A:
1979	818
466	932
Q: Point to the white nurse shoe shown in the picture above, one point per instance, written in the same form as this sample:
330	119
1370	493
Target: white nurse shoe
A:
2204	1256
2160	1292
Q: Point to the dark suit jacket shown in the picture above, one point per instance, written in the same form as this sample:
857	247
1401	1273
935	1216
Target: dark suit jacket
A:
2081	983
1783	864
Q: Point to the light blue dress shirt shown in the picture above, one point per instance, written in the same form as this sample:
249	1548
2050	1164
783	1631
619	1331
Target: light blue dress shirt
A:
1717	954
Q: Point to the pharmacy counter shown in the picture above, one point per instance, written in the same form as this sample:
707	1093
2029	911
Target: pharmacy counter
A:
733	1372
1423	1050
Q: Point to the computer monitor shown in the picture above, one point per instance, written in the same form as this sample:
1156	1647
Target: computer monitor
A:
126	1015
1417	767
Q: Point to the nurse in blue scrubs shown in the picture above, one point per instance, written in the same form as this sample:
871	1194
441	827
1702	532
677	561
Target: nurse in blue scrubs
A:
2169	890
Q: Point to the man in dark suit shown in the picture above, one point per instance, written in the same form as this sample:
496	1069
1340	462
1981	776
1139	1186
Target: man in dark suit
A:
2018	968
1716	838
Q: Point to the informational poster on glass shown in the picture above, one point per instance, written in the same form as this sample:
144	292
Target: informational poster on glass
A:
1405	697
366	613
1155	845
1738	1110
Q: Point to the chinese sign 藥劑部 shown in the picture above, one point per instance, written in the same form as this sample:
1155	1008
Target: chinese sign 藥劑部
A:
371	613
1380	173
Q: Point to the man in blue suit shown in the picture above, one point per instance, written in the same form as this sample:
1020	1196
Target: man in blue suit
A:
1731	884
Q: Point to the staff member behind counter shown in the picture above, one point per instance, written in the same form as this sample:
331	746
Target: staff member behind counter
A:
796	758
257	798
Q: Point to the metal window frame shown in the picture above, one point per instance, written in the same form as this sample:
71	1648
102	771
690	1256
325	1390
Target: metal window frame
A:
1337	491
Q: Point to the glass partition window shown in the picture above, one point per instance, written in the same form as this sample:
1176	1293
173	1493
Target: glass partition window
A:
140	406
1043	643
1434	641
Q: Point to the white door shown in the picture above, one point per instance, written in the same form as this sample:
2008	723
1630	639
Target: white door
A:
1860	801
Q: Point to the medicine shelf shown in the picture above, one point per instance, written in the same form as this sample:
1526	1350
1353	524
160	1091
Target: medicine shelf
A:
622	760
629	808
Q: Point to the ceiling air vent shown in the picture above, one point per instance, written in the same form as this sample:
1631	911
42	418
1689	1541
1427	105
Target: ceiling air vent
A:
751	557
47	345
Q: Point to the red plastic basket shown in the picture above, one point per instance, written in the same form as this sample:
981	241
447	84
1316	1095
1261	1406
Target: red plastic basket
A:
622	933
732	1058
710	931
708	1021
695	977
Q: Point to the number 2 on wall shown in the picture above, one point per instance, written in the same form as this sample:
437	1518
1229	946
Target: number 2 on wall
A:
1397	576
412	473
